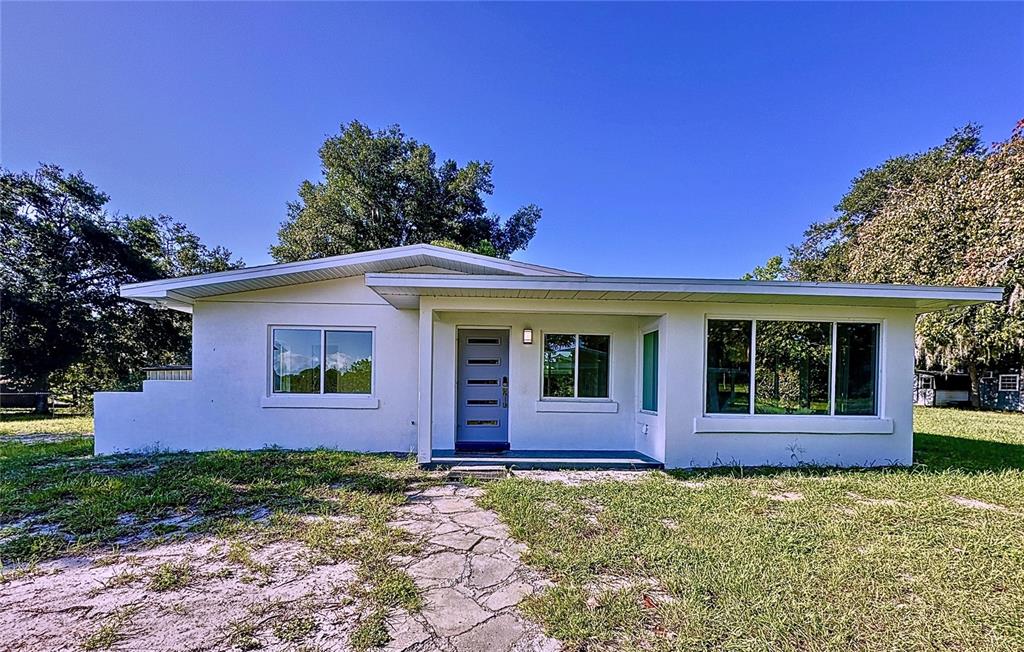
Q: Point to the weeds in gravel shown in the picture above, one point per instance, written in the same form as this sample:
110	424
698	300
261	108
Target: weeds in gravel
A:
171	577
112	631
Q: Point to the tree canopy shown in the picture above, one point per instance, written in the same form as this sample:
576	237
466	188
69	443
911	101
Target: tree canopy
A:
62	260
384	189
953	215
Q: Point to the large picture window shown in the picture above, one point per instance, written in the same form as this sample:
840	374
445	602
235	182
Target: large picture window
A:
322	361
791	372
798	367
728	367
856	369
576	366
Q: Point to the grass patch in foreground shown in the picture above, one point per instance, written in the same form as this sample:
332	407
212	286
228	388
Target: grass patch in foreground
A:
788	559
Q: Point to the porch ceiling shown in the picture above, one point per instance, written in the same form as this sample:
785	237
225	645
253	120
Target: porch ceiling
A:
405	290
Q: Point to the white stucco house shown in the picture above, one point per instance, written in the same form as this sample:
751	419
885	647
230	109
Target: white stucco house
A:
455	356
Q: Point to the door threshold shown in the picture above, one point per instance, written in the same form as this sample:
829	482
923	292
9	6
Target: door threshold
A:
473	448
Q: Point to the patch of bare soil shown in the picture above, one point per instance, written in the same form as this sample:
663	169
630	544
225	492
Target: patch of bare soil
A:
972	503
44	438
574	478
864	500
199	595
782	497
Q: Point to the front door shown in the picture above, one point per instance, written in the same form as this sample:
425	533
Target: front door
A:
482	394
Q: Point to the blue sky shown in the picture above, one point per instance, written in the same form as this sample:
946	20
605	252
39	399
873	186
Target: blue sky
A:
673	140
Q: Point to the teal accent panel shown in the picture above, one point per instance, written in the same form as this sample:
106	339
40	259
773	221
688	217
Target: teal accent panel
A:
650	372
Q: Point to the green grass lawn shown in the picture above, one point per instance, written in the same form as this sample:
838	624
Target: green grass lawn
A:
790	560
811	559
20	422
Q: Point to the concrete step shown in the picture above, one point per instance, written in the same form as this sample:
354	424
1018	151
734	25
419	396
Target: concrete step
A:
480	472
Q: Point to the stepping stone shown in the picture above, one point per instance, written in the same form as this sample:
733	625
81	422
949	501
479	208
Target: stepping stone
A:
451	613
508	596
487	571
487	546
405	632
476	519
454	505
496	531
443	565
498	634
457	540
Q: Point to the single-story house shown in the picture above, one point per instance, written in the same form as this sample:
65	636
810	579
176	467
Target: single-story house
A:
456	356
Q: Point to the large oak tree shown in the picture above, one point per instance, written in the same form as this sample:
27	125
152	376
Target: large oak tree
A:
63	324
384	189
953	215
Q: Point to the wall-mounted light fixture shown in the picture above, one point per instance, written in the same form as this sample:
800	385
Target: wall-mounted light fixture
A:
527	336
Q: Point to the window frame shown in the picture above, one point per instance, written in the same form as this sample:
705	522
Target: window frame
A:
754	319
323	355
922	385
1016	380
576	368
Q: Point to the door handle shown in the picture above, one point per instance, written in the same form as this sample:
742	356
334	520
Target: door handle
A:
504	391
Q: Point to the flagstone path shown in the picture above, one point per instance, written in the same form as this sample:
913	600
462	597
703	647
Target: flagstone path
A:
471	576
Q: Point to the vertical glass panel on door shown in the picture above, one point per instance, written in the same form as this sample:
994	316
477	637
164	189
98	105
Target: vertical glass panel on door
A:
856	369
348	363
792	367
593	381
650	372
728	366
559	365
296	361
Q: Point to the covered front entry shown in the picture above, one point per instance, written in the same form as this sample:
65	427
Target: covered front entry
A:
482	394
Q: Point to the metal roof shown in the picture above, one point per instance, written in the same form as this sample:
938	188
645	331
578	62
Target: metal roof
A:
473	275
404	290
179	293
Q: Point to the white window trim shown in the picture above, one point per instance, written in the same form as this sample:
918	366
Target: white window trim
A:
930	384
1016	382
752	416
575	398
322	399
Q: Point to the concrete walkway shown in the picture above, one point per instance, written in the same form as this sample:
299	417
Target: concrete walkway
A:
471	576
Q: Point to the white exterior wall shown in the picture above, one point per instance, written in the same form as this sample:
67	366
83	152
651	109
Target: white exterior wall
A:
679	434
782	439
593	425
227	404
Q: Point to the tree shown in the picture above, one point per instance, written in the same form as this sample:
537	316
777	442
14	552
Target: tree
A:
62	259
965	228
823	254
383	189
953	215
132	335
772	270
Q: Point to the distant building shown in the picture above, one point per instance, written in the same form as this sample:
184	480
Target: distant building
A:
999	389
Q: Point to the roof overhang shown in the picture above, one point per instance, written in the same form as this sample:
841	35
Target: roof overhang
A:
181	293
405	290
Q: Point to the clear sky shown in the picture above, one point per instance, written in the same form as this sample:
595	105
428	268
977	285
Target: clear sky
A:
671	140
